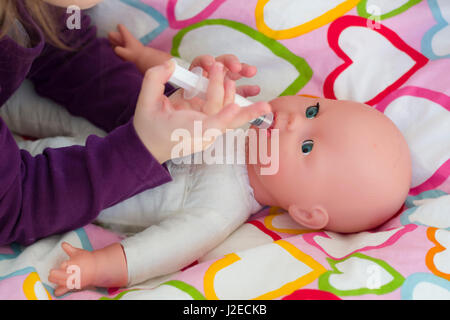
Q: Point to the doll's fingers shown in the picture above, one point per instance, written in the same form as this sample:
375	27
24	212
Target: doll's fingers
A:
215	92
248	90
69	249
57	276
61	290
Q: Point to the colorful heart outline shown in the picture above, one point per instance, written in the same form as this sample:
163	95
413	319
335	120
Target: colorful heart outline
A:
28	286
413	280
300	64
316	270
441	174
361	8
180	285
311	294
334	33
427	38
273	213
429	258
430	194
306	27
309	238
163	23
325	285
179	24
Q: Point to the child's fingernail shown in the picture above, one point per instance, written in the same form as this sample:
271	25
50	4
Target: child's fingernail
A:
219	66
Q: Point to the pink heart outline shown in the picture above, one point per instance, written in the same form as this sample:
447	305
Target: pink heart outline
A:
443	172
335	31
309	238
179	24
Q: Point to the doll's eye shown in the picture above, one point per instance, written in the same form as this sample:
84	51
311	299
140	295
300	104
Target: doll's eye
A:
307	146
312	111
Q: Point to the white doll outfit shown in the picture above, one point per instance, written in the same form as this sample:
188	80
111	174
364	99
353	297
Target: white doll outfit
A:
168	227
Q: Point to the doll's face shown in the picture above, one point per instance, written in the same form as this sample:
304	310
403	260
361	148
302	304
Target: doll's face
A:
343	165
83	4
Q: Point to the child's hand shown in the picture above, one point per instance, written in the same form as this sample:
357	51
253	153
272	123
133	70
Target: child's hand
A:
81	262
234	71
125	44
156	119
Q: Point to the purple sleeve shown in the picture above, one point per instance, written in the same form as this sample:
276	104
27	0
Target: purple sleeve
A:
64	189
91	81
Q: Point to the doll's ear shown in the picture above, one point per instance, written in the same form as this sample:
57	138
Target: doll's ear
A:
316	218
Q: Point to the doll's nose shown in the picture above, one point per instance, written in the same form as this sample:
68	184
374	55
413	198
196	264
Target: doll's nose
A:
293	121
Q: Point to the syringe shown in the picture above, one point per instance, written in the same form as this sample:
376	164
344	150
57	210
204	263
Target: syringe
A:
194	84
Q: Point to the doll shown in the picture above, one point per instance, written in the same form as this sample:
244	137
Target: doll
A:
343	167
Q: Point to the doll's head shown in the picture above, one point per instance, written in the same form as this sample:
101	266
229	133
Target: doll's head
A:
343	166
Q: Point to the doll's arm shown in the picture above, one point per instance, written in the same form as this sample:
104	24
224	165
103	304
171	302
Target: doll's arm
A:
177	241
131	49
158	250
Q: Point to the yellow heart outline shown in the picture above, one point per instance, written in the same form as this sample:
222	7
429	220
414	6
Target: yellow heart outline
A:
306	27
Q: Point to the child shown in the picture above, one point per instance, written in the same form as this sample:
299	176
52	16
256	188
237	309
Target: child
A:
64	189
343	167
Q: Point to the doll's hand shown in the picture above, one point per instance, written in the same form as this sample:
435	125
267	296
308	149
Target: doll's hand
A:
81	262
106	268
156	120
125	44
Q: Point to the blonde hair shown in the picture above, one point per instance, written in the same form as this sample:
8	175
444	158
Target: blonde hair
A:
41	14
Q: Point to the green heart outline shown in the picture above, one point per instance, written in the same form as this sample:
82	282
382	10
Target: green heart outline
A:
362	12
325	285
180	285
300	64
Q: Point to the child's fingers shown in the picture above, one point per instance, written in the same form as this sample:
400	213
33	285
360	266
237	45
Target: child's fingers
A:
115	38
205	61
230	91
215	92
127	36
153	86
248	90
231	62
248	71
124	53
233	116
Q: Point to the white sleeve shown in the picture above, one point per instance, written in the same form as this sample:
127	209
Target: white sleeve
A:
177	241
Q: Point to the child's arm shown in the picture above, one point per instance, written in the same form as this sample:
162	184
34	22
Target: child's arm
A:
131	49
